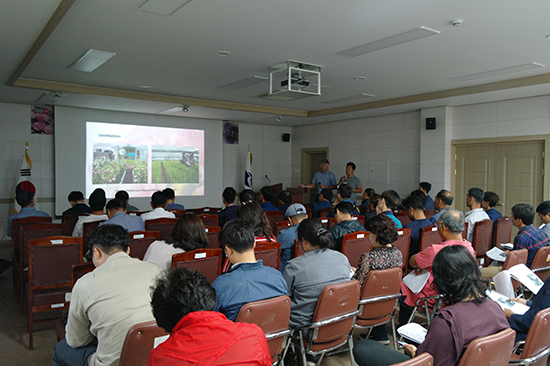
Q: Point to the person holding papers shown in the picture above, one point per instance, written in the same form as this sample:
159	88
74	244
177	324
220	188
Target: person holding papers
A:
450	227
468	314
522	323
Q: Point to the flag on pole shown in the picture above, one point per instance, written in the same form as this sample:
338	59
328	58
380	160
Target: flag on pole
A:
25	179
247	171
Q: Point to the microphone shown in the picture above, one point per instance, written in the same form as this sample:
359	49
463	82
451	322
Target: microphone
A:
266	177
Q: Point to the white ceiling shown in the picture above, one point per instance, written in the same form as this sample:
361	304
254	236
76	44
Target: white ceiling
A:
176	55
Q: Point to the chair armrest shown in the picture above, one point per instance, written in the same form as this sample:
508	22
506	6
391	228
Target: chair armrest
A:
528	361
379	298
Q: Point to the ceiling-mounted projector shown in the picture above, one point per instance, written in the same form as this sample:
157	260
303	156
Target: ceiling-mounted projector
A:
293	80
296	79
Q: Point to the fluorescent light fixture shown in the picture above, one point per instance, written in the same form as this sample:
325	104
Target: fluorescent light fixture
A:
505	70
348	99
389	42
244	83
163	7
91	60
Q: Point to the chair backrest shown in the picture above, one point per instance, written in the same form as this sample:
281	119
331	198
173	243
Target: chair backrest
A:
298	249
380	290
269	253
209	219
70	221
213	233
163	225
424	359
492	350
273	316
402	216
140	241
503	231
139	342
178	213
38	231
541	263
281	225
17	228
359	218
515	257
80	270
483	235
136	213
339	300
208	210
465	232
429	236
327	222
538	337
87	229
429	213
273	217
205	261
354	245
403	243
324	212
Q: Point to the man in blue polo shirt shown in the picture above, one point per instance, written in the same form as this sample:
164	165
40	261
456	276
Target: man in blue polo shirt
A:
248	280
322	179
296	213
116	210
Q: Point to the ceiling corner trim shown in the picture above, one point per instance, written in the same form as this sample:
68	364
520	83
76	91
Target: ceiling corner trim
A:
44	34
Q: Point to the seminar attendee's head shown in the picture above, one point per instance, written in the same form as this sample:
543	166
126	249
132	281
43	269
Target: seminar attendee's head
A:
450	225
523	214
296	213
158	199
107	240
228	196
285	197
266	194
420	194
490	200
344	192
443	199
543	209
425	187
344	211
389	201
373	201
75	197
179	292
247	195
24	194
237	240
414	206
312	235
188	233
170	195
382	230
97	200
324	165
115	205
368	193
252	213
326	195
122	195
474	198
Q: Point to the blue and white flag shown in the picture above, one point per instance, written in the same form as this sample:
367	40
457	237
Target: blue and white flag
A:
248	172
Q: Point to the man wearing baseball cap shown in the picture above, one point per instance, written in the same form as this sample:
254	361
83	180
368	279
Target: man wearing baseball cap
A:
24	195
296	213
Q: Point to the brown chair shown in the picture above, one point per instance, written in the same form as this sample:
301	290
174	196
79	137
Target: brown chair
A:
50	276
402	216
359	218
269	253
327	222
429	213
178	213
273	316
139	342
422	307
281	225
541	263
515	257
492	350
324	212
380	293
332	322
424	359
503	231
298	249
87	230
164	226
482	239
140	241
70	221
273	217
136	213
213	233
80	270
207	210
536	346
403	243
209	219
428	237
205	261
465	232
354	245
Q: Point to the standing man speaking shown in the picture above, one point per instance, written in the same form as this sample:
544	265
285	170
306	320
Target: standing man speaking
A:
322	179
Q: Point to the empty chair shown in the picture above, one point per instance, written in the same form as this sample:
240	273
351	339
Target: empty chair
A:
492	350
541	263
379	295
428	237
140	241
139	342
273	316
424	359
209	219
50	275
207	262
502	231
403	243
354	245
483	234
269	253
537	344
213	233
163	225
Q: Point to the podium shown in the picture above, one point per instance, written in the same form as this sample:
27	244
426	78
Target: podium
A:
297	194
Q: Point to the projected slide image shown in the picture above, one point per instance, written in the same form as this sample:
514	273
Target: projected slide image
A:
119	164
174	164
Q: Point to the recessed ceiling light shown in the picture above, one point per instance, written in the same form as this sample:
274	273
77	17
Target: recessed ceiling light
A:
360	78
223	53
505	70
145	86
91	60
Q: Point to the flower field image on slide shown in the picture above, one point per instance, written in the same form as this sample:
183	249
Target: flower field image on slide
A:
113	164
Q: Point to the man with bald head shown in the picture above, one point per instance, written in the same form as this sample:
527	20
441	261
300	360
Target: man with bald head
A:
443	201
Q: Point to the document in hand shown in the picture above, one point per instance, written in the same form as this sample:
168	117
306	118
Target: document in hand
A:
527	278
416	282
506	303
413	332
496	254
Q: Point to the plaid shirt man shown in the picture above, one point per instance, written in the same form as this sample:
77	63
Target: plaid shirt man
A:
531	238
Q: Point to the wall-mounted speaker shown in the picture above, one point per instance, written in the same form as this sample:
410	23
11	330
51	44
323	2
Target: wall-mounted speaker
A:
430	123
286	137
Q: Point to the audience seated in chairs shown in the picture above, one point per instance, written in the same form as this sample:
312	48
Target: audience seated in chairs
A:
414	206
248	280
106	302
78	205
116	210
182	303
188	234
364	206
474	198
382	232
159	206
490	201
443	201
371	210
229	212
425	187
246	196
296	213
124	196
285	199
24	195
97	202
344	223
266	195
389	201
325	198
171	200
252	213
468	314
449	227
